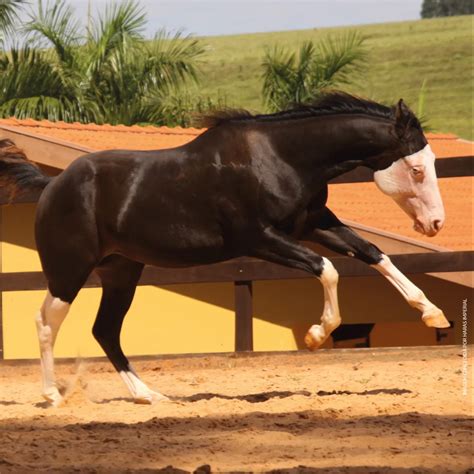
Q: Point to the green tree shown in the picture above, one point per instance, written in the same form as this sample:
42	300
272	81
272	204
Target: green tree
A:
438	8
108	73
43	79
290	77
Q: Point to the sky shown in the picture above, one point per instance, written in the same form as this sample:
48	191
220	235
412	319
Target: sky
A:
226	17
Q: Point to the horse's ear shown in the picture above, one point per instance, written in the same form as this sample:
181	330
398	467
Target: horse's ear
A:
402	117
401	111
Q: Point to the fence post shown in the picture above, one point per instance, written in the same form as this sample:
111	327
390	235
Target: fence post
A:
243	316
2	355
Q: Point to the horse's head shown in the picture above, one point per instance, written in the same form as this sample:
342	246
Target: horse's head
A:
410	179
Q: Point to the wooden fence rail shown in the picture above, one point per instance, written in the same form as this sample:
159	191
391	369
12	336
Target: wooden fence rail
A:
243	271
246	269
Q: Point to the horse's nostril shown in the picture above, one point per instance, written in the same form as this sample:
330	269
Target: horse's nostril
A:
437	224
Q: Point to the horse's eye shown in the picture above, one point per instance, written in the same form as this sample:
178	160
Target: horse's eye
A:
418	172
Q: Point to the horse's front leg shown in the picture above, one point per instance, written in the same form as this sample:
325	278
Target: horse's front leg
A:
329	231
432	316
280	248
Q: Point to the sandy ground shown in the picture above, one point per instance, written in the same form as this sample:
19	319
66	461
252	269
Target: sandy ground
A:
335	411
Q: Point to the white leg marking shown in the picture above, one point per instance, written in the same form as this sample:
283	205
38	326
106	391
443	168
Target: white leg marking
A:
432	315
140	392
48	321
331	318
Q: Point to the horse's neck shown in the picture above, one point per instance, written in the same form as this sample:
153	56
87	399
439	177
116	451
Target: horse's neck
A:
325	147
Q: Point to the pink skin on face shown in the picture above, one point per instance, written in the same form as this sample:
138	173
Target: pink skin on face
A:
411	182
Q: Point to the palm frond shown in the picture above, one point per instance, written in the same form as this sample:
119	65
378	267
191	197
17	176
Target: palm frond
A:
421	108
278	77
33	87
177	108
290	78
303	72
54	23
172	59
49	108
339	57
116	33
9	11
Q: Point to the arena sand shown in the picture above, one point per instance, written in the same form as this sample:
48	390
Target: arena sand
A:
334	411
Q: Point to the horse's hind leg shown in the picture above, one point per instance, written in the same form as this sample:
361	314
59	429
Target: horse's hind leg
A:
119	278
48	321
61	293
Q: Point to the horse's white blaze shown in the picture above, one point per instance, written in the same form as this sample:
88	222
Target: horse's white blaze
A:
48	321
432	315
330	318
412	183
140	392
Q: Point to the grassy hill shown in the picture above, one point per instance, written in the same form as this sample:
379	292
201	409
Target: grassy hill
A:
400	57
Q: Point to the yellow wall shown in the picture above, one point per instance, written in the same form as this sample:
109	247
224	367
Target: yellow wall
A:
159	321
178	319
200	317
18	250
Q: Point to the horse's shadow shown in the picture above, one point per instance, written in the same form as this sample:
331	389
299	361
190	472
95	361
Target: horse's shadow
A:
266	396
251	397
7	403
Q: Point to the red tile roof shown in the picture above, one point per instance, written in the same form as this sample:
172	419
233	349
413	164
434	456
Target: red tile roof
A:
365	204
107	137
359	202
446	145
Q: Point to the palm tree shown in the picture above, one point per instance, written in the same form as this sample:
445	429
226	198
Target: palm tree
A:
290	78
31	86
41	82
9	10
108	73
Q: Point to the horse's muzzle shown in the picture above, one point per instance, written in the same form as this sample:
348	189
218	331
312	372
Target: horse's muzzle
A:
430	228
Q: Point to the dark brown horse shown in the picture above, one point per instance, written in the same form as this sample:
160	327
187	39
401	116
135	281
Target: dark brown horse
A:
249	185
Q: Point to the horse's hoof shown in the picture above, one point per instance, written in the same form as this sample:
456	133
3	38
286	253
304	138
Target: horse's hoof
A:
143	400
314	337
150	398
435	318
54	398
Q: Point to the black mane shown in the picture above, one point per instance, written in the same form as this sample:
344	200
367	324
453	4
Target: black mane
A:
328	103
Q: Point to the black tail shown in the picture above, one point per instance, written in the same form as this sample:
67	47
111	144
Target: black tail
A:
18	175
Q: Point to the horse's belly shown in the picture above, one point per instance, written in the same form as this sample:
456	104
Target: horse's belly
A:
174	246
